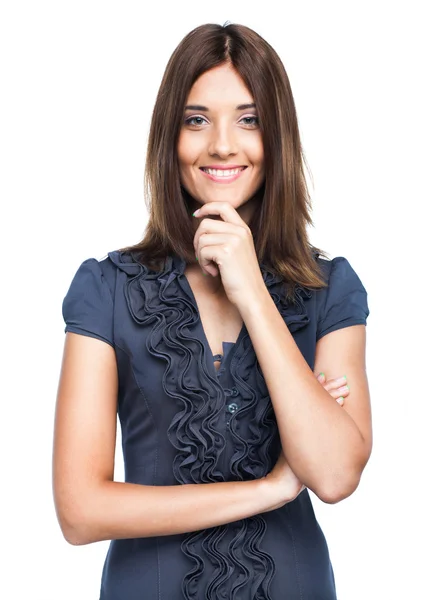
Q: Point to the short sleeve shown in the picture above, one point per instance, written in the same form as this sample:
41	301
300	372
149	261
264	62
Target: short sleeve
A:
87	308
344	301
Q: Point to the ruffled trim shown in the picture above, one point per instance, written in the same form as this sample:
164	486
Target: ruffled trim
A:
234	551
164	300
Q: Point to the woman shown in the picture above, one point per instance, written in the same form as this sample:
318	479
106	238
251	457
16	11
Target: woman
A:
205	338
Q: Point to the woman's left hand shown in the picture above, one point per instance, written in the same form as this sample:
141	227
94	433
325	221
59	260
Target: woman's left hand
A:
226	247
338	388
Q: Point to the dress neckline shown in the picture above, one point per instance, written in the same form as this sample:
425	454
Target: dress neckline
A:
188	289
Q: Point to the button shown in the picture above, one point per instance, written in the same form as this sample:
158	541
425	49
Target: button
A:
232	408
231	392
217	357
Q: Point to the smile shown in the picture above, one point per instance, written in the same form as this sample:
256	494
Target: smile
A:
223	175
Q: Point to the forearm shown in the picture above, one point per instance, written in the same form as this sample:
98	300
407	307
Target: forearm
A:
115	510
315	431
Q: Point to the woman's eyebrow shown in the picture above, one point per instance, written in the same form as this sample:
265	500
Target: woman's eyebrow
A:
205	109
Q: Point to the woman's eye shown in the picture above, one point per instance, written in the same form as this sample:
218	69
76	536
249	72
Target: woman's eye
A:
190	119
254	119
198	121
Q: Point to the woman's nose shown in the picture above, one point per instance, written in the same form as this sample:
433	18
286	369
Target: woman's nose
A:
223	142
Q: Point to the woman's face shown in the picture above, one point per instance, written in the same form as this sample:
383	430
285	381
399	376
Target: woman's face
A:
220	133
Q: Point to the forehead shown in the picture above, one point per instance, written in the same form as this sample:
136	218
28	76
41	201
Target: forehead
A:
219	86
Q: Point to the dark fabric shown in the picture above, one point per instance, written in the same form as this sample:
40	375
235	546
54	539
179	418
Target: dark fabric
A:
184	422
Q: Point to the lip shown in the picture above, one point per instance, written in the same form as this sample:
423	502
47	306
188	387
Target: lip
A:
223	168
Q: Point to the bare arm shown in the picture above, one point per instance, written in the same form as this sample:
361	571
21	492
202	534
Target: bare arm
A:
326	447
90	505
115	510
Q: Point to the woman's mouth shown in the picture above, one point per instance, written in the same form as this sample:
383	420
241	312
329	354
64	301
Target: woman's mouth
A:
223	175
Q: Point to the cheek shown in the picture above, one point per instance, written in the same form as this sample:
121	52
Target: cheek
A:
188	150
256	153
261	153
182	151
184	161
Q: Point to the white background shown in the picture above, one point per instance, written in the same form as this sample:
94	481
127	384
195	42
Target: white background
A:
79	81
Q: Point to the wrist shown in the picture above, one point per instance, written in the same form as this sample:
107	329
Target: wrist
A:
271	490
255	304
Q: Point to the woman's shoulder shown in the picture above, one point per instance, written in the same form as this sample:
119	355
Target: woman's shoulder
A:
338	273
97	273
344	300
117	261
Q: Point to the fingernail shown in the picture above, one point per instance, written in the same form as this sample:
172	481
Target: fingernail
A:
196	212
340	400
196	258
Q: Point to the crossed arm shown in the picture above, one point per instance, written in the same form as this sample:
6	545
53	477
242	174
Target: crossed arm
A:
325	445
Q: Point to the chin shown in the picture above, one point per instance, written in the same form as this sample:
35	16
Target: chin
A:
228	196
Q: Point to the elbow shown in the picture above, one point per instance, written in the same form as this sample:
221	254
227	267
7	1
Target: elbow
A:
75	531
78	534
79	512
337	494
338	488
343	483
75	523
74	536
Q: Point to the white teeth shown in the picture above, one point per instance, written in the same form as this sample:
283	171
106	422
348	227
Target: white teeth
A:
223	173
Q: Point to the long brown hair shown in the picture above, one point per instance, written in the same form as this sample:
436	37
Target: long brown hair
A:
279	224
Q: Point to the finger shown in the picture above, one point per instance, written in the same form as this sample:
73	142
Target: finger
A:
208	226
337	393
224	209
211	258
227	241
333	384
321	377
214	249
201	257
342	391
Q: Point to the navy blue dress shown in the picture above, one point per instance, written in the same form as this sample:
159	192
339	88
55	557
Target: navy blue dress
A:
182	421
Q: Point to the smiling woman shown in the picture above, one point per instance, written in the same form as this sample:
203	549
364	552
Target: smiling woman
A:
226	417
220	142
